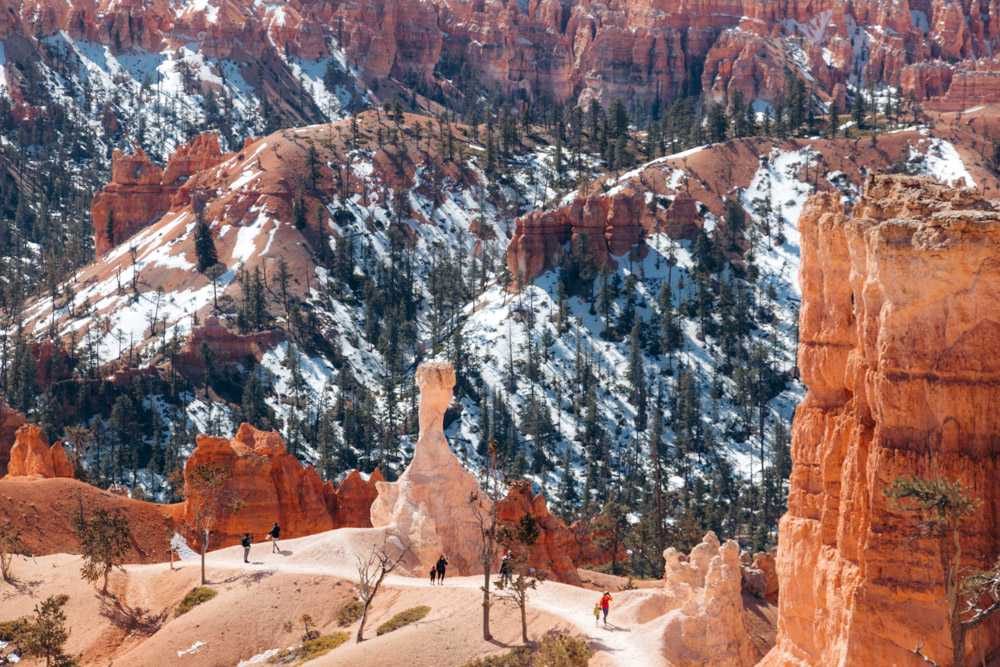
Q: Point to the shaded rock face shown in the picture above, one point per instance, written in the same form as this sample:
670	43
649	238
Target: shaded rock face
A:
10	421
608	225
428	506
140	192
353	501
274	486
899	340
705	623
31	457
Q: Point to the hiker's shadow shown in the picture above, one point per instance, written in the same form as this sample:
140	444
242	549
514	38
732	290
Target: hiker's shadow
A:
248	578
284	552
615	628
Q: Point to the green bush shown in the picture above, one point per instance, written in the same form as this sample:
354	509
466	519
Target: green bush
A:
519	657
350	613
9	630
194	598
562	651
309	650
403	618
552	651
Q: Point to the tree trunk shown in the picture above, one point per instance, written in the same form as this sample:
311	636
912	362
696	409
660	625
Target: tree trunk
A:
361	626
104	591
524	617
957	643
204	550
486	604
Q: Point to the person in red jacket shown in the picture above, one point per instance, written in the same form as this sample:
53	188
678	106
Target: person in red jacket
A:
605	603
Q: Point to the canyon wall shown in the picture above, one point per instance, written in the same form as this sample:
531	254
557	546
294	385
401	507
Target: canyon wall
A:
648	52
898	347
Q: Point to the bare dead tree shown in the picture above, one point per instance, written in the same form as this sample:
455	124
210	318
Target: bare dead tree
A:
371	572
485	508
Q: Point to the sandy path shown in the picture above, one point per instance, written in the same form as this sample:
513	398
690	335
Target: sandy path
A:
332	554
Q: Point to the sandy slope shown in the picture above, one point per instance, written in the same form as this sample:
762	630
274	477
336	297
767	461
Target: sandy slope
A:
312	575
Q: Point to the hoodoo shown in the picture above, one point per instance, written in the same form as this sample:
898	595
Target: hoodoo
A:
428	506
899	339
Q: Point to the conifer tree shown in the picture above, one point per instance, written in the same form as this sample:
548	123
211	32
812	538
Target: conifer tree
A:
204	247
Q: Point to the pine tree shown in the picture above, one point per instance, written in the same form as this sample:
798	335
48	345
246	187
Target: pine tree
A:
204	247
718	124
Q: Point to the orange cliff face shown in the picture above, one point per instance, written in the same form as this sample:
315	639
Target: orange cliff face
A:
899	349
140	192
273	485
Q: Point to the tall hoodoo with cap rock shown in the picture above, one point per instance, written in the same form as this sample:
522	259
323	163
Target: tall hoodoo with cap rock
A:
428	506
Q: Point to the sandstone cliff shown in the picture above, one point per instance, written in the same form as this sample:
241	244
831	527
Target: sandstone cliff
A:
899	352
647	52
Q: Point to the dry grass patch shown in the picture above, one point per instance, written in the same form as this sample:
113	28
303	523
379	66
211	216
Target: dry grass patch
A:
403	618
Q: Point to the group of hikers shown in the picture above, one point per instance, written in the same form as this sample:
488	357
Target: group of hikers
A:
273	534
506	576
438	569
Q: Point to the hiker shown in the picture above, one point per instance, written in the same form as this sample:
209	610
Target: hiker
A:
506	565
441	565
597	614
246	547
274	538
605	603
433	572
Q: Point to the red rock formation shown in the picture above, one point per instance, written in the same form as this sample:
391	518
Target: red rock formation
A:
643	51
32	457
899	351
10	421
556	543
683	220
610	224
140	192
353	501
273	486
226	344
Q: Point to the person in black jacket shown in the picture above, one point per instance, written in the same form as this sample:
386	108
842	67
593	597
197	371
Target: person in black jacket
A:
441	565
274	538
246	547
